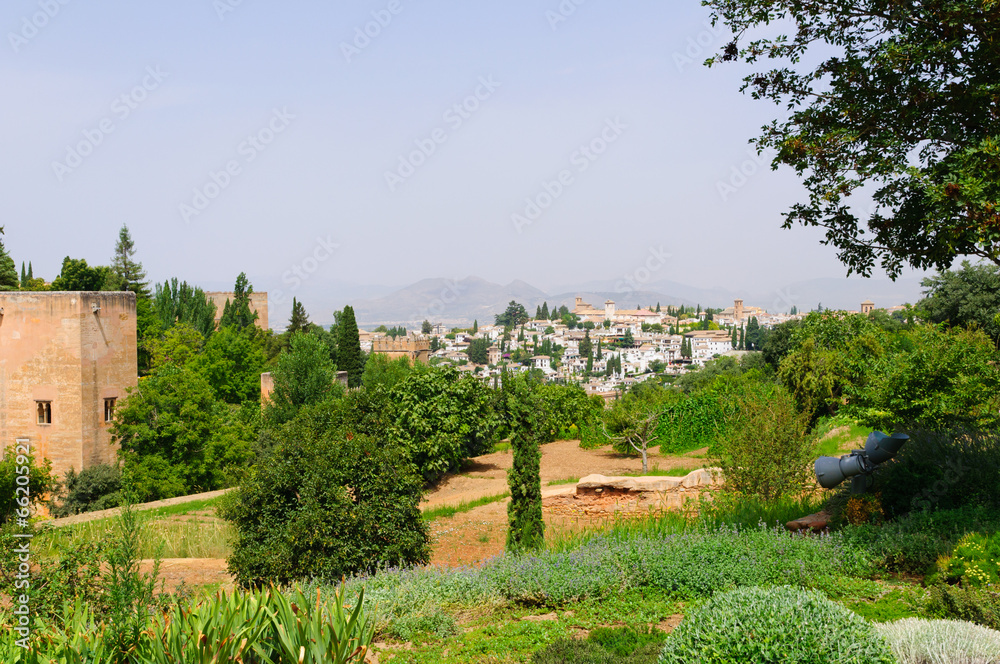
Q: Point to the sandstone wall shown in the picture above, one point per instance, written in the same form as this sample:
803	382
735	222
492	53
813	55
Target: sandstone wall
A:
54	347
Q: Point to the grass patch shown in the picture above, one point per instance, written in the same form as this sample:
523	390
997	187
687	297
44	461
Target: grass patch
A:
655	471
178	539
840	442
501	447
572	480
448	511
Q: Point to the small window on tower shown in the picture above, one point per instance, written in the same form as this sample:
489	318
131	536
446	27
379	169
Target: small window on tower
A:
109	409
44	412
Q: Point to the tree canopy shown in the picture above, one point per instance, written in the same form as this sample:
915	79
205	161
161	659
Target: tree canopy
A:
128	272
514	315
8	269
903	99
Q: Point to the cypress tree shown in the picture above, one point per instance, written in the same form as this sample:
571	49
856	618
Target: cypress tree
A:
545	311
526	530
349	355
735	341
743	337
237	313
24	277
599	353
657	307
30	275
299	322
475	326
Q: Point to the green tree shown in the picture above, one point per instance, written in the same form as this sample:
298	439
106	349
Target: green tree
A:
76	275
128	273
382	372
426	327
514	316
325	502
753	335
930	379
900	98
299	320
238	313
8	269
180	303
303	375
526	529
632	421
443	418
778	343
966	297
475	326
599	355
350	358
178	345
435	345
176	438
815	377
479	351
232	362
586	345
628	341
545	311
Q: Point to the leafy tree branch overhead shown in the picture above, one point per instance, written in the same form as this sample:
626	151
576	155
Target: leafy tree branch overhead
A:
907	101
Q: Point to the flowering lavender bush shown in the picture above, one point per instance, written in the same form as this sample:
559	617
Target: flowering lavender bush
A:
689	565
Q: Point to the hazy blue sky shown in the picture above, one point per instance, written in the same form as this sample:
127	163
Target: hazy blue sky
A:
200	77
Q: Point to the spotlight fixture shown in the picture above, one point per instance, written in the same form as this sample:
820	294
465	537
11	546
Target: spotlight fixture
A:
859	464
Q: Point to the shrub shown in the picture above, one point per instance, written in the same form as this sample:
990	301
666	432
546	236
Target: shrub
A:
916	641
325	503
574	651
12	492
788	625
94	488
978	606
691	422
975	562
74	574
625	641
942	470
766	453
913	544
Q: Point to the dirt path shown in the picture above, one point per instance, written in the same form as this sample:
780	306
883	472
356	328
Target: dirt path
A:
470	537
562	460
106	514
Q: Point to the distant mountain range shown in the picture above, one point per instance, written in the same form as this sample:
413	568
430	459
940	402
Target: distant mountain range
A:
462	301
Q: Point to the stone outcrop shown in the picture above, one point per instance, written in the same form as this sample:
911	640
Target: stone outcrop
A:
814	522
601	496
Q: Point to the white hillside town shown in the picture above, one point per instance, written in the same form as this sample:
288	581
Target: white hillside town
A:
605	350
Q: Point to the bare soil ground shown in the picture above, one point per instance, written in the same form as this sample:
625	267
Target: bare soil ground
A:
472	537
469	538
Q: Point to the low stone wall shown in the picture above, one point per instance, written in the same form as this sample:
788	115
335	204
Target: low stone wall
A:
600	496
